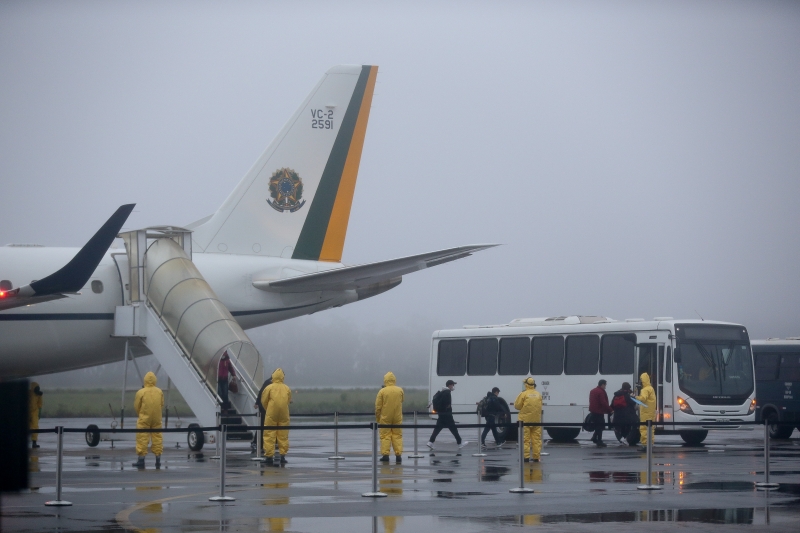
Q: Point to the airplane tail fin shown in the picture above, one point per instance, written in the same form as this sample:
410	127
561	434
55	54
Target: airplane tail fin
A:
295	201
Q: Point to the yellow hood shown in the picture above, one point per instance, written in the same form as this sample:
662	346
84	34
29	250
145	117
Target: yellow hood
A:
389	379
645	379
530	383
277	376
150	380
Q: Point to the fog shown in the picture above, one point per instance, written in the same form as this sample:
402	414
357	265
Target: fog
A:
635	159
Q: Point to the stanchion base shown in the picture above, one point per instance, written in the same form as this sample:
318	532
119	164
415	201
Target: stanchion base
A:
521	490
479	455
374	495
214	457
767	486
222	499
544	453
259	459
649	487
336	458
58	503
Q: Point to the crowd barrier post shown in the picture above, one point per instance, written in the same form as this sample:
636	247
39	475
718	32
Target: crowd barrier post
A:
374	493
766	485
58	502
216	448
259	443
649	485
480	445
222	497
522	489
416	455
336	456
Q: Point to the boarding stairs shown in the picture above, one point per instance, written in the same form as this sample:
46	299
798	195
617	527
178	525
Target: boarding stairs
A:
170	309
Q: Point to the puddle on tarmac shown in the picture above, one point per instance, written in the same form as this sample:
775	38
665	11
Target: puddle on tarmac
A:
493	473
442	480
723	486
741	515
599	476
456	495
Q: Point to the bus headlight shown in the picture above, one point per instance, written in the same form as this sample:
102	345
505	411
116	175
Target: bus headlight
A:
684	406
752	407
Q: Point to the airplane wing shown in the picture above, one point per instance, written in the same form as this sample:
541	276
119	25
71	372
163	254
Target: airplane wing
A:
363	276
72	276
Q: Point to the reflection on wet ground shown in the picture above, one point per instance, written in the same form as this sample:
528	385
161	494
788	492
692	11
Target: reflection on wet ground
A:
577	487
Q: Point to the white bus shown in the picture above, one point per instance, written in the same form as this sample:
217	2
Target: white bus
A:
702	371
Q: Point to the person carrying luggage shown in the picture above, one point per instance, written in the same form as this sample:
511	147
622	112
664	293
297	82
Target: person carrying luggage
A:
624	414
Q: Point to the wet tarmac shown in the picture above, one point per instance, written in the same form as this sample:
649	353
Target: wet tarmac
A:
578	487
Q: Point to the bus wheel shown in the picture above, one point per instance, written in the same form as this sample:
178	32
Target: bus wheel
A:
563	434
776	431
92	435
195	438
694	437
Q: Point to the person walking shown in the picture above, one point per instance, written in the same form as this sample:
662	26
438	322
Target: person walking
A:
489	408
275	400
529	405
647	411
624	413
34	411
149	403
599	408
389	410
443	405
224	370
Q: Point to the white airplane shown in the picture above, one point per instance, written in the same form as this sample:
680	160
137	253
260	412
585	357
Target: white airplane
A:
271	252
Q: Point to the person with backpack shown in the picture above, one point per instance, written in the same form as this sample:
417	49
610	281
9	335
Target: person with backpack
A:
489	407
599	408
624	413
442	404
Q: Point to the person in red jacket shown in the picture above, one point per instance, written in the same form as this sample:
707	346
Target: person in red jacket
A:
599	408
223	371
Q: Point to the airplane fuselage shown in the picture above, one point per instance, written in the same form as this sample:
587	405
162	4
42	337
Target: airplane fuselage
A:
76	332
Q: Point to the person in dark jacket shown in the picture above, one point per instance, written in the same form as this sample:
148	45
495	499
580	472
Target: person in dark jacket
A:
224	370
624	415
599	408
492	409
262	413
445	419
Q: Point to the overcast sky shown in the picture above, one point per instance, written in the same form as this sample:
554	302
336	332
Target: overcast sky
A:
636	159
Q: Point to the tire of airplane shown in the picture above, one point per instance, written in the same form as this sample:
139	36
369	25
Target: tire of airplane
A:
776	431
563	434
92	435
195	438
694	437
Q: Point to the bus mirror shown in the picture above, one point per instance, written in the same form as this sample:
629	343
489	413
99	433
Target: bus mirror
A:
677	355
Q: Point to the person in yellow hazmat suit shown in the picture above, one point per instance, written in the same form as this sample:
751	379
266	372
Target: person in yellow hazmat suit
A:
34	411
647	411
389	410
149	403
275	400
529	405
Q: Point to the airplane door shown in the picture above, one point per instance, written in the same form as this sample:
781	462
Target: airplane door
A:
660	387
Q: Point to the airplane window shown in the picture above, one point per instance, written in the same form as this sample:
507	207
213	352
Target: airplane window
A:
97	286
482	360
548	356
581	355
515	356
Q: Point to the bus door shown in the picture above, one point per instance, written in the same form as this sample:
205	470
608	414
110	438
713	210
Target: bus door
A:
651	360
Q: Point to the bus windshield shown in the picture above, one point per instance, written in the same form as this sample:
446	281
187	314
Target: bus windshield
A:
715	368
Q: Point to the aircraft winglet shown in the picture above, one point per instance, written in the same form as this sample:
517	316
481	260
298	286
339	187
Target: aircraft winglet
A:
74	275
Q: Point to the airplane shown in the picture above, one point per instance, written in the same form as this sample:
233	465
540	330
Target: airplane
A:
271	252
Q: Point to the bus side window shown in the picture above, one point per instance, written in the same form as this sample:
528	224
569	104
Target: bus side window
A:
452	358
547	358
582	355
482	358
616	354
767	366
515	356
668	367
790	368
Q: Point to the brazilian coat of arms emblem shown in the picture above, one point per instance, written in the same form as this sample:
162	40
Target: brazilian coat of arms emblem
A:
286	190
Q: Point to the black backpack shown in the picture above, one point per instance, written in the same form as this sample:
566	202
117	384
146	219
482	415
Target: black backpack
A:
483	405
437	402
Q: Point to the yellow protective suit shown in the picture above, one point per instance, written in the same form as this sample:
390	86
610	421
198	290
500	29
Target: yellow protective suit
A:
389	410
529	405
149	403
275	400
34	409
648	397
